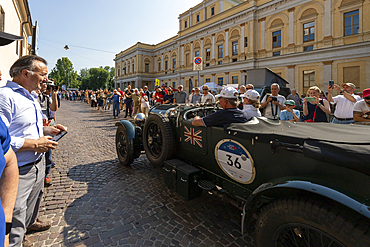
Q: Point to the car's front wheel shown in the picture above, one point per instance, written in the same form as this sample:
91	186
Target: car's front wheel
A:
159	140
305	222
124	147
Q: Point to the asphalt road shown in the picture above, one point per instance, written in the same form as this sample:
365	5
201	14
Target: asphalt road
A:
94	201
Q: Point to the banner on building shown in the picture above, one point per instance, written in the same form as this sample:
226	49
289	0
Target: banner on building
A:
157	82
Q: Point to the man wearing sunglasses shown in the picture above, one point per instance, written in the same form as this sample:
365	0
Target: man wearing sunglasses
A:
361	110
228	98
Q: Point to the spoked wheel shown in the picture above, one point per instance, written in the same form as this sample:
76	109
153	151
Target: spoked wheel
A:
158	139
302	222
155	140
303	235
124	147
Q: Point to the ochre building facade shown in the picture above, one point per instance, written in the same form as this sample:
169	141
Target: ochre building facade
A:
306	42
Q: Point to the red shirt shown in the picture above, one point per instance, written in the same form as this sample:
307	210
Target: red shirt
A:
160	97
121	92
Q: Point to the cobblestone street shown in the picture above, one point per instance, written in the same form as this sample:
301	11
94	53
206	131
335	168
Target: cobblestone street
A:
95	201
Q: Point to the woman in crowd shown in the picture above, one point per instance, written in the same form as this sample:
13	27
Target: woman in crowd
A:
93	100
314	108
109	100
136	101
251	104
168	98
144	104
105	99
100	98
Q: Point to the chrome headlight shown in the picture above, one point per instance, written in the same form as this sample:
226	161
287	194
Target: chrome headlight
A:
140	117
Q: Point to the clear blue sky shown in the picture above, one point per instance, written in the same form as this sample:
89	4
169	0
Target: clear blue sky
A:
110	25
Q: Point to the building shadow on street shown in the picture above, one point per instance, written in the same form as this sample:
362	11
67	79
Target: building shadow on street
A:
131	205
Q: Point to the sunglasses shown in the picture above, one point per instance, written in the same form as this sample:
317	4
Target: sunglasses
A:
205	89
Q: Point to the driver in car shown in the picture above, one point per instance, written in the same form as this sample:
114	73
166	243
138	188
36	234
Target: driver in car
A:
228	98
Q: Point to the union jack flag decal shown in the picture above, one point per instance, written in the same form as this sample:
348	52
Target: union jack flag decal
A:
193	137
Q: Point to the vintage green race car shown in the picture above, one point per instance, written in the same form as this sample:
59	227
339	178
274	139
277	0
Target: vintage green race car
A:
308	184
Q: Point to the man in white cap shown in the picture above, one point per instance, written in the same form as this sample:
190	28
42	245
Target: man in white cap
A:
251	104
346	101
228	98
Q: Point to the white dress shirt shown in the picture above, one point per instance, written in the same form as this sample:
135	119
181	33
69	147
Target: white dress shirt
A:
21	113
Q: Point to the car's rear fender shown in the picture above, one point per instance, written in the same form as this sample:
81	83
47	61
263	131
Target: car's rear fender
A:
288	188
133	136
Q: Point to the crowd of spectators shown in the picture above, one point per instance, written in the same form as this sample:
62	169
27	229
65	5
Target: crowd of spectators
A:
314	106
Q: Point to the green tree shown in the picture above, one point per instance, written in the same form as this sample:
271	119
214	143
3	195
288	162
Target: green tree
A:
64	74
95	78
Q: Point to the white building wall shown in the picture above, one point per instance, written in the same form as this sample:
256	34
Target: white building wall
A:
8	53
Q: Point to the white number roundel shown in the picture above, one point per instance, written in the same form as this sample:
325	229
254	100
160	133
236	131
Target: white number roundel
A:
235	161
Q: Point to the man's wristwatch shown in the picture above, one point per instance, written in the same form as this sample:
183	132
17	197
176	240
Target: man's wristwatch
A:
8	227
319	104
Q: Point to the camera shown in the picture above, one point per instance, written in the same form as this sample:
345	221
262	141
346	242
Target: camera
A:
274	98
52	86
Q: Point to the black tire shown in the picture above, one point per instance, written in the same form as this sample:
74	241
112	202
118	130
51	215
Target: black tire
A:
124	147
158	139
292	221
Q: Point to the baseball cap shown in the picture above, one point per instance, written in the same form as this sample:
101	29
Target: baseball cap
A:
289	102
251	94
349	84
366	92
228	92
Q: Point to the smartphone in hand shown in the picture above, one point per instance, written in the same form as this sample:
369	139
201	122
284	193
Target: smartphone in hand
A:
331	84
59	135
310	99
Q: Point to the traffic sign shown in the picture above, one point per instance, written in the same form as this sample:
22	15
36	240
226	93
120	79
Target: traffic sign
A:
198	63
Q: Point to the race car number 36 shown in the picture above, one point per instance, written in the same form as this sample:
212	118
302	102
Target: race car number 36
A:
235	160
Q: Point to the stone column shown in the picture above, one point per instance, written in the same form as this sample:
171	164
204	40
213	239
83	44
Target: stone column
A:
242	77
162	66
204	11
213	78
183	55
191	53
327	72
291	27
221	6
201	48
262	21
213	46
327	20
226	78
226	43
190	19
291	73
155	65
242	38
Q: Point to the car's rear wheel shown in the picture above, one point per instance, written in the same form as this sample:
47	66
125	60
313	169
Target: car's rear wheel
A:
304	222
158	139
124	147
